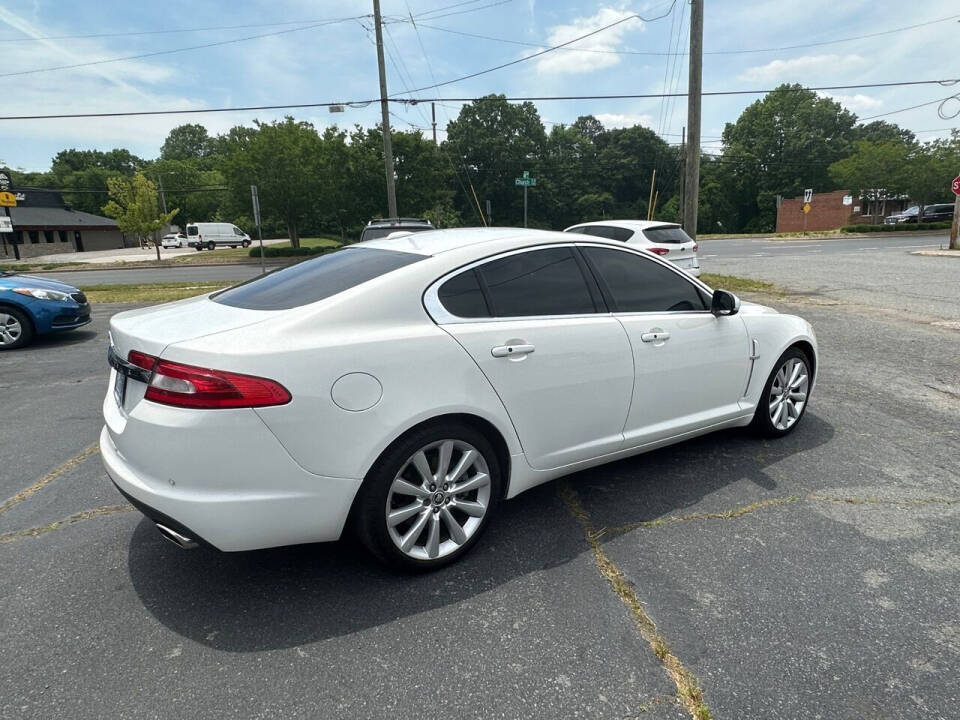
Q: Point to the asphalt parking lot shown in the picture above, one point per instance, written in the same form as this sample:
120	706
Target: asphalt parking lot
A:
811	577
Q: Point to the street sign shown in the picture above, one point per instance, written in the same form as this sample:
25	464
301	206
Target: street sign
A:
4	182
808	196
956	185
806	208
6	224
8	199
525	182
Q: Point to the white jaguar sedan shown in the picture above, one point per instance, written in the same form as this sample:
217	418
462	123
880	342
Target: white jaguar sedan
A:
404	387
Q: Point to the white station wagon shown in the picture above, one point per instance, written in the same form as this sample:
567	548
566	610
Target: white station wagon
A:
405	387
668	240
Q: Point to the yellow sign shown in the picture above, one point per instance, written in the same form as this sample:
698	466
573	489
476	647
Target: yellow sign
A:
806	207
8	199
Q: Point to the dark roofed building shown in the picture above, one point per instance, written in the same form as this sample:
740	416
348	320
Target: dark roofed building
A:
43	224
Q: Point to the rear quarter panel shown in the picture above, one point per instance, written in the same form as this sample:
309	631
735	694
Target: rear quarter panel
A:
423	373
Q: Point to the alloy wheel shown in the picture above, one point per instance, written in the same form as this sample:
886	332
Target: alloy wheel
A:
788	393
438	500
10	329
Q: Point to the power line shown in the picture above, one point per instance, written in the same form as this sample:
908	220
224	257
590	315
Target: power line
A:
171	31
708	52
177	50
544	52
518	98
425	13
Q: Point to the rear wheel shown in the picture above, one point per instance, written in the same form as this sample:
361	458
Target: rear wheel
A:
15	329
429	498
785	395
211	245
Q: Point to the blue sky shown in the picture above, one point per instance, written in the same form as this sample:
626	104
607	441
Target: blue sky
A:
338	62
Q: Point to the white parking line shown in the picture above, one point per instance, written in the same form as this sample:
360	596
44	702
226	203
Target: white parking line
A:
706	256
870	248
910	247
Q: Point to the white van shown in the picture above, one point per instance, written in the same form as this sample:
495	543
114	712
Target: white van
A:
210	235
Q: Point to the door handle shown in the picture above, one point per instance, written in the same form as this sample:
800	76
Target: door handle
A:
511	350
655	337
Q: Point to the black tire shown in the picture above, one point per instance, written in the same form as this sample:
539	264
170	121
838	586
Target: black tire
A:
246	243
25	336
762	422
369	512
198	247
211	245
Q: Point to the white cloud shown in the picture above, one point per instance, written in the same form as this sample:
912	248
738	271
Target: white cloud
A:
801	69
619	120
857	103
567	61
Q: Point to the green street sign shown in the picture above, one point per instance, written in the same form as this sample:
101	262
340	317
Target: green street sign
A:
525	182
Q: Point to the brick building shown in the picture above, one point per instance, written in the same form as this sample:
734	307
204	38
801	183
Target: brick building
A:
43	224
832	210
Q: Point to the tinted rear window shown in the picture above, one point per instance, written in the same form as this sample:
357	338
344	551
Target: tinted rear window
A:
609	232
315	279
375	233
667	235
462	296
539	282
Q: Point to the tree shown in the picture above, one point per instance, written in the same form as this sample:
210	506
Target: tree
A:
493	142
880	131
780	145
929	170
134	205
282	159
876	171
186	142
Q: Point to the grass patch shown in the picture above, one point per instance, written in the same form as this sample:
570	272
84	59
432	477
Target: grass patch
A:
246	254
149	292
738	284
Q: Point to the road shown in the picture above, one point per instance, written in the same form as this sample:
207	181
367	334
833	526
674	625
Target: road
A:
712	252
814	576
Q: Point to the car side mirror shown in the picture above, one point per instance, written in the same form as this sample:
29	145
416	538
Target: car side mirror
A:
724	303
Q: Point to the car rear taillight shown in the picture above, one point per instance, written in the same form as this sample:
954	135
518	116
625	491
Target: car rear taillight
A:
188	386
658	250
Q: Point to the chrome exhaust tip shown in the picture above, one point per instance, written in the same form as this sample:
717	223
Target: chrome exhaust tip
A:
181	541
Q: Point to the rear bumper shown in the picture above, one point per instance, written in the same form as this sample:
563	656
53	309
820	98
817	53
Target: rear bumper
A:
261	499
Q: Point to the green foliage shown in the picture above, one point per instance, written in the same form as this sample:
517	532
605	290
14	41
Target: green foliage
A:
899	227
874	171
134	205
186	142
275	251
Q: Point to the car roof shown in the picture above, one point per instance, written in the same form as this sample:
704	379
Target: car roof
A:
627	224
439	242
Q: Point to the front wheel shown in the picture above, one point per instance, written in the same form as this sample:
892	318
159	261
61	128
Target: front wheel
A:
15	329
785	395
429	498
246	243
211	245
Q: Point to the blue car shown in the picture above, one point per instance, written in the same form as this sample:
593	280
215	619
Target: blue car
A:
31	306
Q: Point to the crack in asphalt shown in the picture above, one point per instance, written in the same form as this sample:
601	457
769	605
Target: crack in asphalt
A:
772	502
56	525
49	478
688	686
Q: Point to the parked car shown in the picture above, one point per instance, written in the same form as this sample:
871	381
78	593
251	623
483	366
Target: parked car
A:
382	227
31	306
660	238
409	385
938	212
173	240
212	235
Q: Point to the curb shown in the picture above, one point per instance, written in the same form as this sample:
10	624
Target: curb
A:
147	266
937	253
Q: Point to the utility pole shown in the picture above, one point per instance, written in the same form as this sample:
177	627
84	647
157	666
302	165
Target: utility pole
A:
683	151
433	120
694	89
385	115
955	225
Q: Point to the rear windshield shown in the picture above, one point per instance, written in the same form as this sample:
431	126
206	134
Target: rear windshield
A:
667	235
193	230
315	279
609	232
374	233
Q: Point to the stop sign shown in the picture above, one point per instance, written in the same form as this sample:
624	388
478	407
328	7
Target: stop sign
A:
956	185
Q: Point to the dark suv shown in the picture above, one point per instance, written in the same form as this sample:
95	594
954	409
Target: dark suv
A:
941	212
382	227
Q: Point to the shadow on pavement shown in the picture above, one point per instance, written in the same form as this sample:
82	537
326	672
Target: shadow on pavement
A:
286	597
